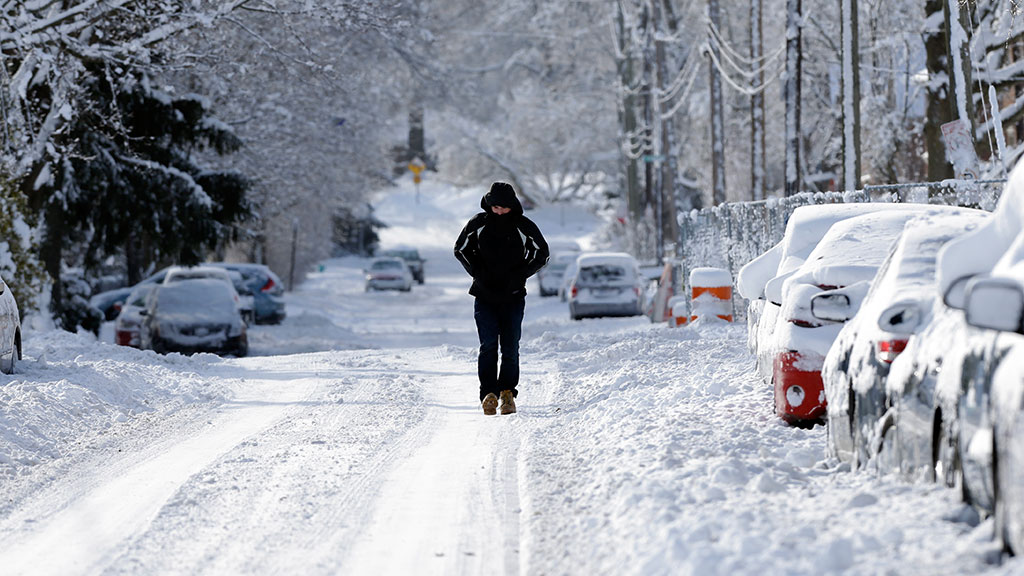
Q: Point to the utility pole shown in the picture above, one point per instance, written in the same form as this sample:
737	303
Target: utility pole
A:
664	15
291	266
627	120
756	103
794	57
717	115
851	94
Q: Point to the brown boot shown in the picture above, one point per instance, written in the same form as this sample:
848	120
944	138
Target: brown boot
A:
490	404
508	402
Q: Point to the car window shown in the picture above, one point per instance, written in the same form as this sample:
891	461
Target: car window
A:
602	273
387	265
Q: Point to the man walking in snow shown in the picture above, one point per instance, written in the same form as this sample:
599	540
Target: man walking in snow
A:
500	248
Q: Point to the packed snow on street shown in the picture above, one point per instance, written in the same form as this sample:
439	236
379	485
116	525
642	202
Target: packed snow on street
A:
352	441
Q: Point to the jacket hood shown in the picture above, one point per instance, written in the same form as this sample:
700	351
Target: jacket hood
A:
501	194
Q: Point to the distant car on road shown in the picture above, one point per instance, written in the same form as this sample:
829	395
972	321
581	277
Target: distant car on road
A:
412	259
388	273
194	315
606	284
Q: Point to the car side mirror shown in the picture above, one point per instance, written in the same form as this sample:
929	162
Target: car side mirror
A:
956	295
995	304
834	307
901	318
143	312
773	289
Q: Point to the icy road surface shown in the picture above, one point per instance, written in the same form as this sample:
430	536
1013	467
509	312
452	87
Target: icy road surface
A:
352	443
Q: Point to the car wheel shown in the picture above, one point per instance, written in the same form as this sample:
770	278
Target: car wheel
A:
946	458
9	360
885	448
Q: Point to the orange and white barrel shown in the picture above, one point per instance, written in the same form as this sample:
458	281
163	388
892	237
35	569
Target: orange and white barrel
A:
711	293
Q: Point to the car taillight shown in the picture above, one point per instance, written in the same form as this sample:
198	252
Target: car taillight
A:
268	286
804	323
574	291
887	350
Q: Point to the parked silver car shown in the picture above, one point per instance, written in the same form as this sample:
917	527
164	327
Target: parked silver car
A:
606	284
388	273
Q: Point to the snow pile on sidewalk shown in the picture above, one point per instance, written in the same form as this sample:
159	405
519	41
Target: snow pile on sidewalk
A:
662	456
69	391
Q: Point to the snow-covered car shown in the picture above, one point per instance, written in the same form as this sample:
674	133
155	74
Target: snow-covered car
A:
388	273
129	321
804	229
10	329
195	315
183	273
849	254
901	296
606	284
266	288
550	276
412	259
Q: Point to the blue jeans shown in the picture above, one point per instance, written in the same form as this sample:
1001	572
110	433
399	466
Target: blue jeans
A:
499	325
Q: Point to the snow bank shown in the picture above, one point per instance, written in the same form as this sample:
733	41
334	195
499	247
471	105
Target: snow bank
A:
655	460
69	390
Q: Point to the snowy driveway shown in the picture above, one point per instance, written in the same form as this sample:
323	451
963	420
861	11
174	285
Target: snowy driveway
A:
355	445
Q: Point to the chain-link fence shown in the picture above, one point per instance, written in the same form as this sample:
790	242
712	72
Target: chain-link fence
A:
730	235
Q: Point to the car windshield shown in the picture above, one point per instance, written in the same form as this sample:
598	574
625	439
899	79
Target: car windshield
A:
387	265
602	274
191	275
405	254
205	300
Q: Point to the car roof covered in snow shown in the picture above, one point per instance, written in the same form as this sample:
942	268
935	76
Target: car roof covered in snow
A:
853	249
978	251
910	274
804	229
604	259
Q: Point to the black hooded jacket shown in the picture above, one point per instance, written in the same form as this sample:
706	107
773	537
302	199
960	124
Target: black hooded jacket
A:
501	251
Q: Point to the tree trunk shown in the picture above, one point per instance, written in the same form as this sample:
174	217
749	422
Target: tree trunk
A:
939	111
794	64
717	117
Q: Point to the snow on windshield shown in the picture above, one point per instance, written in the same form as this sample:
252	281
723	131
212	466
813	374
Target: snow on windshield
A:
201	300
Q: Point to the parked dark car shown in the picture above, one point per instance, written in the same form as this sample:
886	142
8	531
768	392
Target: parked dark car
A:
192	316
856	367
412	259
265	287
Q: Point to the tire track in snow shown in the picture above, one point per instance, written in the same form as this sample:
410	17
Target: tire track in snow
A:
452	506
116	509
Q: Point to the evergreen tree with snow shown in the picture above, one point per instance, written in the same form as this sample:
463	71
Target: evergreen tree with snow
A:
124	180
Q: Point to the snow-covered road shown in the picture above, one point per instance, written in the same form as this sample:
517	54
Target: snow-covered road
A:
352	443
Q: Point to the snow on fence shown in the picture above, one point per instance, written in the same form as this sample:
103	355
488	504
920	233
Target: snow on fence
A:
730	235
